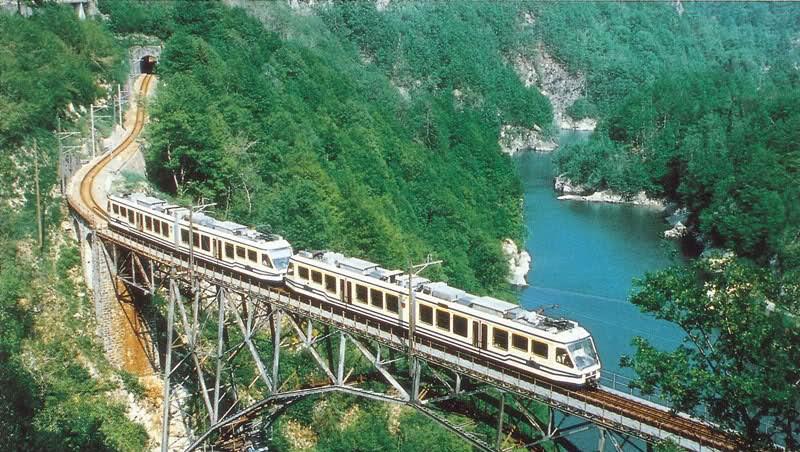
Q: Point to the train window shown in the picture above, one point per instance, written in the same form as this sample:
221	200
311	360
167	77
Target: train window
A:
330	284
148	223
290	269
562	357
205	243
196	240
540	349
426	314
460	325
500	338
123	212
229	250
164	229
240	252
185	236
302	272
519	342
252	256
392	303
443	319
377	298
361	293
130	216
115	208
265	261
316	277
157	227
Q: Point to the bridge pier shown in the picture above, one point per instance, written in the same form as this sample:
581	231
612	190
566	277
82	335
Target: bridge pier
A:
227	335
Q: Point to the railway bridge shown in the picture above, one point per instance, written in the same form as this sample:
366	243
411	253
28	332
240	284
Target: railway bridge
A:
225	346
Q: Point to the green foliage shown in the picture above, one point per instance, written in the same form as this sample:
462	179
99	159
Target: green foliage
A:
446	46
48	401
740	360
323	149
582	108
342	423
48	61
694	112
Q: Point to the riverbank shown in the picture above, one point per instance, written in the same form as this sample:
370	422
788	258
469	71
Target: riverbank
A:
587	254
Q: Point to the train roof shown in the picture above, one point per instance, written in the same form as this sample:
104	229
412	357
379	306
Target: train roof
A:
442	291
199	218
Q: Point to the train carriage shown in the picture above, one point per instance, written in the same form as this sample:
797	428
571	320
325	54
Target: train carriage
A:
494	331
224	243
510	336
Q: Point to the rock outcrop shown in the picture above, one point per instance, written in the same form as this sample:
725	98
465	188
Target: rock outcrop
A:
678	231
519	263
574	192
640	199
563	185
560	86
514	139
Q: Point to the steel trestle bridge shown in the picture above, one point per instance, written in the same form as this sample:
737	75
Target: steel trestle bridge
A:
221	341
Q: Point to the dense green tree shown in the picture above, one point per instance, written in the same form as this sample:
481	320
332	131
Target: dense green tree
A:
740	364
323	148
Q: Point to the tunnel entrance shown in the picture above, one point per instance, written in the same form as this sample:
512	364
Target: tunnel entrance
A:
147	65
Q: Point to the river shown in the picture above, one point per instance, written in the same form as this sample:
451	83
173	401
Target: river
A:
585	256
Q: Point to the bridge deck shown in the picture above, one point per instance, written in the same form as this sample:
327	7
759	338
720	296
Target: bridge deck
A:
620	412
605	407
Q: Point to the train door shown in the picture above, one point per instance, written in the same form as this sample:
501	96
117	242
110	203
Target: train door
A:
479	334
217	247
344	288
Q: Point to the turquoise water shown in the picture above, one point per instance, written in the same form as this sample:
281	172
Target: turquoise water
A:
585	256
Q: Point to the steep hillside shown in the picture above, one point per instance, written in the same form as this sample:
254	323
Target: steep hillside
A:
289	127
700	111
57	392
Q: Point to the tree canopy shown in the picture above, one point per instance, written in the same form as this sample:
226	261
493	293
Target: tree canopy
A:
740	363
286	123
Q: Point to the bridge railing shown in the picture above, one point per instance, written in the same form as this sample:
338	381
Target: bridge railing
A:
567	400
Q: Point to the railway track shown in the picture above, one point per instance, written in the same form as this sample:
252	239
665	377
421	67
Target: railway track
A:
93	212
86	204
702	433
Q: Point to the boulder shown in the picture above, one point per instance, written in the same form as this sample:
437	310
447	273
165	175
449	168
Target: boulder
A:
678	231
519	263
514	139
562	184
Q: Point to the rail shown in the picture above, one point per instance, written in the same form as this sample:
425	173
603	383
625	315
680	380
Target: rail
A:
612	407
606	407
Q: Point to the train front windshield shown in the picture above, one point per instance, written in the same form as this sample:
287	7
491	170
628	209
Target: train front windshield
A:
583	353
280	258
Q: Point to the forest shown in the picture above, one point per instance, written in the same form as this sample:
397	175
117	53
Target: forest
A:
700	107
300	136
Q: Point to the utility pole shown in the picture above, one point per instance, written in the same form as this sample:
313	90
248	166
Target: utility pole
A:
39	225
119	102
91	115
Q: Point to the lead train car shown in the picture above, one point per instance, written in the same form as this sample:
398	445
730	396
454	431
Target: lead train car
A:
224	243
506	334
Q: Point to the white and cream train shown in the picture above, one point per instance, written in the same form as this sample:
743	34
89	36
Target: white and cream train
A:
505	334
224	243
500	334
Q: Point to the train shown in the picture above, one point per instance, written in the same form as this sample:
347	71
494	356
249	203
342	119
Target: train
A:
495	332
